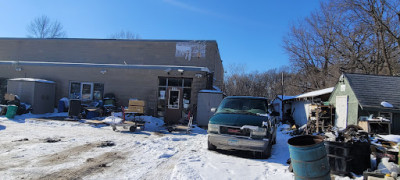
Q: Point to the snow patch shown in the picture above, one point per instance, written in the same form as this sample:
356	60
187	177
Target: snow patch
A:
32	80
386	104
391	137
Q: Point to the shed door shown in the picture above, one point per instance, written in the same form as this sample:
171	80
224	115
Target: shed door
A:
341	111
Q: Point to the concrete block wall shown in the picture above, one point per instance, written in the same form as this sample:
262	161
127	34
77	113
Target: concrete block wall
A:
124	83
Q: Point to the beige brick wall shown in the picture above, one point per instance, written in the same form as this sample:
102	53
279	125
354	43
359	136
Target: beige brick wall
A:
148	52
124	83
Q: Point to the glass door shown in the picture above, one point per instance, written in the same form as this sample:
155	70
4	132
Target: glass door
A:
86	91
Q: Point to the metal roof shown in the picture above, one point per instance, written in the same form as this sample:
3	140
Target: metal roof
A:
316	93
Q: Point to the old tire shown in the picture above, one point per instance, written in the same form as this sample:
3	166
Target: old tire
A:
211	147
132	128
274	140
266	153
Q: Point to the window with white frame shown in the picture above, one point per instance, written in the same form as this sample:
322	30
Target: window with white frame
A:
86	91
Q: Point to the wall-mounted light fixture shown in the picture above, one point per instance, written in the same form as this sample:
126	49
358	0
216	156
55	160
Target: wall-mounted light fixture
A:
198	75
167	70
18	68
181	71
103	71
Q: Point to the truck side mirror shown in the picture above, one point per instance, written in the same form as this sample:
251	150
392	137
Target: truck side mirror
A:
213	110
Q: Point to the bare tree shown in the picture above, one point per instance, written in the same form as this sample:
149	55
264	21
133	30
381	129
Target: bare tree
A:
263	84
124	35
357	36
43	27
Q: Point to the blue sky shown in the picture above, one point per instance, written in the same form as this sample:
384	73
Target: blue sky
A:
247	32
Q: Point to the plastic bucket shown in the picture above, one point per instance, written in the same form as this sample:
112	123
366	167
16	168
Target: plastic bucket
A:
61	106
308	157
11	111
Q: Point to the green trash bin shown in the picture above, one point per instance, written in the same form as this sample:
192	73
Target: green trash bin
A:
11	111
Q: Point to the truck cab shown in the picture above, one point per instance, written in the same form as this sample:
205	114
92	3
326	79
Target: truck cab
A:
242	123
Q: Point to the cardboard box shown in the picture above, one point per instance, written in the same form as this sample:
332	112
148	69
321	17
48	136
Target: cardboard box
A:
135	102
136	109
9	97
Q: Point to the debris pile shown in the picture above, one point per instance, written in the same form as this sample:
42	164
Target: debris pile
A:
52	140
106	144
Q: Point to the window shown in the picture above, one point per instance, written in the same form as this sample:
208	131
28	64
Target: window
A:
98	91
173	101
86	90
187	82
243	105
175	82
75	90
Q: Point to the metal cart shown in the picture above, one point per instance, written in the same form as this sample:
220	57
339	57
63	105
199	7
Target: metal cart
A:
133	125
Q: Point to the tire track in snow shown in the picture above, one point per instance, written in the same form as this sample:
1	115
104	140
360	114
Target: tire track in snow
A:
63	156
168	160
92	166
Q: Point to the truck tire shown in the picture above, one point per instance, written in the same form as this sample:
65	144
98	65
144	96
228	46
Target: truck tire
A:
266	153
211	147
274	140
132	128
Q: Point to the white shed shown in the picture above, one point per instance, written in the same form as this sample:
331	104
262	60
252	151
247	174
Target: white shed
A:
206	100
277	104
300	104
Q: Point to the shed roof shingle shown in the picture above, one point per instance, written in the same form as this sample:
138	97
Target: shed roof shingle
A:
371	90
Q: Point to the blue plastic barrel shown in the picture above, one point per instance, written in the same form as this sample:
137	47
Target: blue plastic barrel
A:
61	106
308	157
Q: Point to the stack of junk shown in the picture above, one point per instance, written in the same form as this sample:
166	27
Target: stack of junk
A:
11	105
348	150
353	151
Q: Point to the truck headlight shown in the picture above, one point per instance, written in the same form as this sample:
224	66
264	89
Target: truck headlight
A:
213	128
258	133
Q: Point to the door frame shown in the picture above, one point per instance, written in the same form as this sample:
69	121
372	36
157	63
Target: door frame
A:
173	114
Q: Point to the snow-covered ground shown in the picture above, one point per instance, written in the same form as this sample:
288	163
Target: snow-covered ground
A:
153	153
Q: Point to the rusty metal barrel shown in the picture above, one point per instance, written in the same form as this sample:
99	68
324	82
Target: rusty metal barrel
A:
308	157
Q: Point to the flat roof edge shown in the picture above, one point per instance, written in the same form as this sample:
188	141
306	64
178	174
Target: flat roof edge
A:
93	65
106	39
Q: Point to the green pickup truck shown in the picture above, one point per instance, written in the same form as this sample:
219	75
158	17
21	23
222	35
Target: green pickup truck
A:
242	123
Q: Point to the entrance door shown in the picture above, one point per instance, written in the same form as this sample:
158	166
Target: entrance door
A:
341	111
173	111
86	91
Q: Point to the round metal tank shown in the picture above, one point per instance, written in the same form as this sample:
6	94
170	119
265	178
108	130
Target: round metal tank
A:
308	157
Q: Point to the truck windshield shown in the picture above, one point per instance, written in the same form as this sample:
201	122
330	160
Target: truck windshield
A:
243	106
